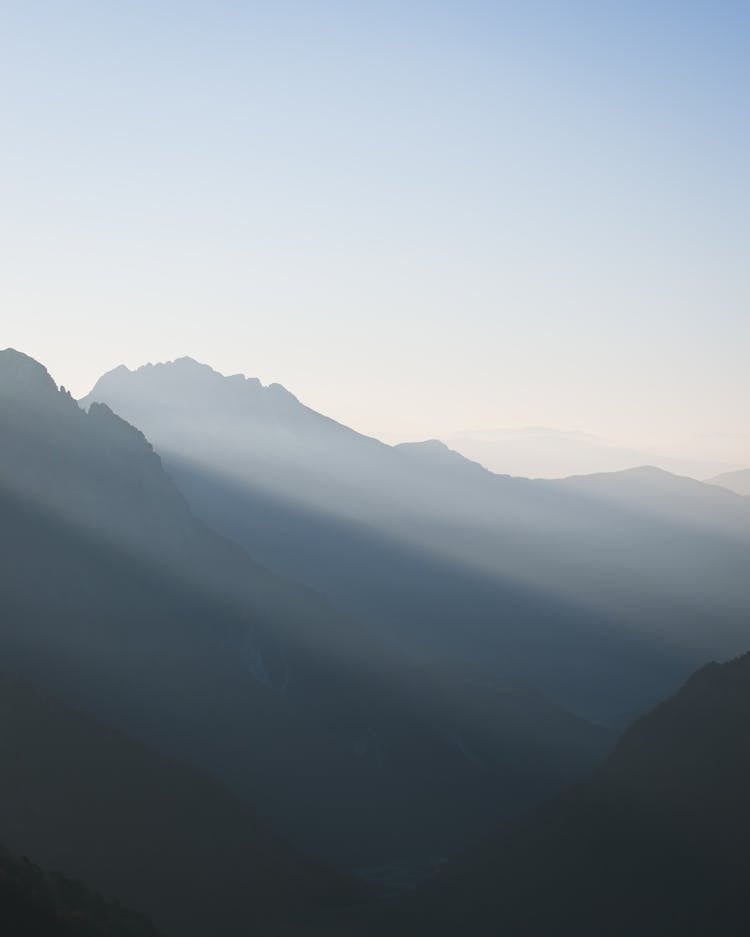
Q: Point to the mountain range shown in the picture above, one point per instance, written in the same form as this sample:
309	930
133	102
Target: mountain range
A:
595	590
543	452
124	605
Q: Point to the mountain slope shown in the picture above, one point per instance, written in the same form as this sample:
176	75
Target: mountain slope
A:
123	604
655	843
738	482
38	903
658	494
99	806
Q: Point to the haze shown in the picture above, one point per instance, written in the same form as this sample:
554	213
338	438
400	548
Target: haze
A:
423	219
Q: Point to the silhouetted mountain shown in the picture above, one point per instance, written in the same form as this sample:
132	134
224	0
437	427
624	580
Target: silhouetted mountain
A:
738	482
38	903
654	844
603	592
124	605
92	803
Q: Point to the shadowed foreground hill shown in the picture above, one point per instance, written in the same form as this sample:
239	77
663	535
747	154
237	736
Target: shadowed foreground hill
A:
101	807
37	903
655	844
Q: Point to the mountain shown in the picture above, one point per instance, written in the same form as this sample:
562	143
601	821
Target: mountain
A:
37	903
655	843
123	604
654	493
90	802
738	482
433	456
542	452
602	592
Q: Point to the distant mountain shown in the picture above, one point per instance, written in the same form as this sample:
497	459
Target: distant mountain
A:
651	491
35	902
654	844
124	605
738	482
542	452
434	456
602	592
92	803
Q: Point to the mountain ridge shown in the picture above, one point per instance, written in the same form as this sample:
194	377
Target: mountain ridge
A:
611	568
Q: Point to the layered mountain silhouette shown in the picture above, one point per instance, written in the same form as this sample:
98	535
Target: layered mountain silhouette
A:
654	844
738	482
169	700
601	591
121	603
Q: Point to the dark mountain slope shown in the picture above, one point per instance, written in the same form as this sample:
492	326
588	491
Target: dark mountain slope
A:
91	802
120	601
38	903
655	844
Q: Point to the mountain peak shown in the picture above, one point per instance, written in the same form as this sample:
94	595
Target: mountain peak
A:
185	368
648	471
635	473
278	390
22	375
426	445
187	388
188	364
436	452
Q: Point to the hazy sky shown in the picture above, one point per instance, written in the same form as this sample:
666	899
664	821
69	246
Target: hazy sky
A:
420	217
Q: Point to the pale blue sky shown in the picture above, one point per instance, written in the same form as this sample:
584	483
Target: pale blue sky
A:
419	216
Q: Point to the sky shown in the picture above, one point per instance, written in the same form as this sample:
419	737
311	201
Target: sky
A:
423	218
